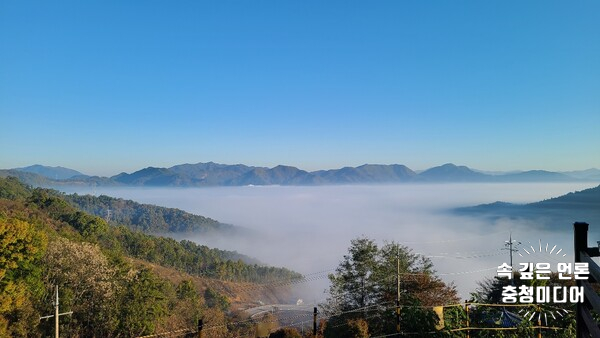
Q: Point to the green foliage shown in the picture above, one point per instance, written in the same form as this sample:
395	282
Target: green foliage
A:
20	246
17	313
145	217
11	188
144	303
195	259
364	287
88	226
186	290
187	307
215	299
50	202
418	319
30	179
286	333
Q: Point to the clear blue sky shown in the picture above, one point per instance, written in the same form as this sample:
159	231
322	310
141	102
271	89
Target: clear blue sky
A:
111	86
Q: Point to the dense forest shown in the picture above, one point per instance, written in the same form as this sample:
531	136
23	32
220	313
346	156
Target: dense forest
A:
46	241
145	217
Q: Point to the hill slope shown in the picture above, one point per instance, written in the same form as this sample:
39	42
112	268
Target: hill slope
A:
146	217
555	212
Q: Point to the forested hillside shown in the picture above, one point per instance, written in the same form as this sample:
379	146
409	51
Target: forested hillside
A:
45	241
146	217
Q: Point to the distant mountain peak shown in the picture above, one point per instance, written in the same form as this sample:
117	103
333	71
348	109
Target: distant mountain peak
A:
56	173
452	172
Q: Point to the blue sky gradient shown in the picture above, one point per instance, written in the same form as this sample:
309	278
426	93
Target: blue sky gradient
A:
111	86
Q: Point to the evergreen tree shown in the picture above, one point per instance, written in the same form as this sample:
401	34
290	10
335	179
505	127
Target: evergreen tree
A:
364	286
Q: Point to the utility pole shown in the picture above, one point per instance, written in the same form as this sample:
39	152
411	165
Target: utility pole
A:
56	314
509	246
398	290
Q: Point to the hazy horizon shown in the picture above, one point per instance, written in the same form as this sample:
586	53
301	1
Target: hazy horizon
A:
492	171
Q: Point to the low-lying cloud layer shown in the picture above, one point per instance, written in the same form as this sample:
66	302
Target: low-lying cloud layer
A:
309	229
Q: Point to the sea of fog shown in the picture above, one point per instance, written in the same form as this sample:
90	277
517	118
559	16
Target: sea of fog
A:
309	229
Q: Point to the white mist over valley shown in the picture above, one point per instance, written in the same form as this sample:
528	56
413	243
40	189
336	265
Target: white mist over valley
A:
308	229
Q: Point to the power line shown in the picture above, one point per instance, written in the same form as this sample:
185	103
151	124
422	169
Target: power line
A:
170	333
470	238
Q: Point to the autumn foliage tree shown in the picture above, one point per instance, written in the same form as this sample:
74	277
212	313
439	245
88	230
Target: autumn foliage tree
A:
20	245
87	282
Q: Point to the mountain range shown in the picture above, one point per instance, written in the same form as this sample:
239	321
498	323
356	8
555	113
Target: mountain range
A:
215	174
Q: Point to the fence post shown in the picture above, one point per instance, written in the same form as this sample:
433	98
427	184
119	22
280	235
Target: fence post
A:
315	322
580	230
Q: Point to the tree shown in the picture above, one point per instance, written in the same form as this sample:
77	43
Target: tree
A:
87	284
215	299
88	226
20	245
351	328
144	303
286	332
353	285
185	309
365	286
11	188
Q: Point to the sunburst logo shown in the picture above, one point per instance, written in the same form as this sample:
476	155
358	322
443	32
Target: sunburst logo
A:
542	311
540	249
